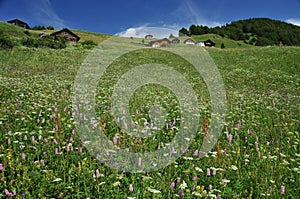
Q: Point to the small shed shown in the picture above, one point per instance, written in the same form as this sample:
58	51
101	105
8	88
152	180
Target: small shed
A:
160	43
148	36
189	41
67	34
209	43
19	23
176	41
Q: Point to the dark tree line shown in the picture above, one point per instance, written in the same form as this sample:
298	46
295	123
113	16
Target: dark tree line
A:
256	31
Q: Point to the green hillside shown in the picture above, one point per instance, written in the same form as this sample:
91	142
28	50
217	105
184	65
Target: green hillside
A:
228	43
255	31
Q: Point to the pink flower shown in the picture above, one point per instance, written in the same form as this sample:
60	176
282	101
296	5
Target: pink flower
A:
282	190
230	137
23	156
214	172
25	137
115	139
178	179
97	173
130	188
196	153
56	151
158	147
8	141
172	185
43	163
258	155
210	187
7	193
1	167
194	177
208	172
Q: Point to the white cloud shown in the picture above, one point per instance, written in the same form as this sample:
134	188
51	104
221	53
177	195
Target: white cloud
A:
141	31
44	13
294	21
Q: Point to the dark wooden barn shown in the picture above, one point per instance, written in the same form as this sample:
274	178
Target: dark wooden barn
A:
209	43
19	23
67	34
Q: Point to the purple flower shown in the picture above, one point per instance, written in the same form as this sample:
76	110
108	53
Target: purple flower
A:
258	155
55	141
25	137
80	150
1	167
172	185
8	141
56	151
210	187
130	188
181	192
282	190
178	179
208	172
71	140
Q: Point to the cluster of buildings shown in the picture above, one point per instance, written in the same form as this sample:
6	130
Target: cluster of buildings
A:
167	42
65	33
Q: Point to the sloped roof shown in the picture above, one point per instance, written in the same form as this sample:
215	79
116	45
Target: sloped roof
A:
19	21
65	30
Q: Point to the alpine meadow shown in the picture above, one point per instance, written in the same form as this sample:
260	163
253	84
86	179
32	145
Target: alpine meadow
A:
257	154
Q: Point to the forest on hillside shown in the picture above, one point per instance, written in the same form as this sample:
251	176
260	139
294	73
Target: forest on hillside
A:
255	31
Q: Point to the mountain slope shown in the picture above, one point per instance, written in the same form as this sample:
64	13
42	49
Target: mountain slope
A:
255	31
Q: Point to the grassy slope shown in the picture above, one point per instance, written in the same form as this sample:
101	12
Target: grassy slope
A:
262	85
219	40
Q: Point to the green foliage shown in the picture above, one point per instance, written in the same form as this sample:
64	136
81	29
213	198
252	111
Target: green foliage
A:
6	42
39	27
50	28
183	32
89	44
222	46
266	31
44	42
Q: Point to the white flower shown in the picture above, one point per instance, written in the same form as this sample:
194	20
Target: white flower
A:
153	190
233	167
116	183
198	169
183	185
57	180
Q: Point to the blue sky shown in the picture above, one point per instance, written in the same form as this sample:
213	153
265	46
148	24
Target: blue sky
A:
137	17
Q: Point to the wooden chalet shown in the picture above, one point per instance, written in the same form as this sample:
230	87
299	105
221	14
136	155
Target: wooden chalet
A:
148	36
189	41
209	43
19	23
160	43
67	34
176	41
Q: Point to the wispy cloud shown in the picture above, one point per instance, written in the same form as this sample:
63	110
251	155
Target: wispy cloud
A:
193	15
294	21
44	13
141	31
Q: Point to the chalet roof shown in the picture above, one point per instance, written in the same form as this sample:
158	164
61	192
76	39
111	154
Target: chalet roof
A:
65	30
18	21
210	41
189	40
160	40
